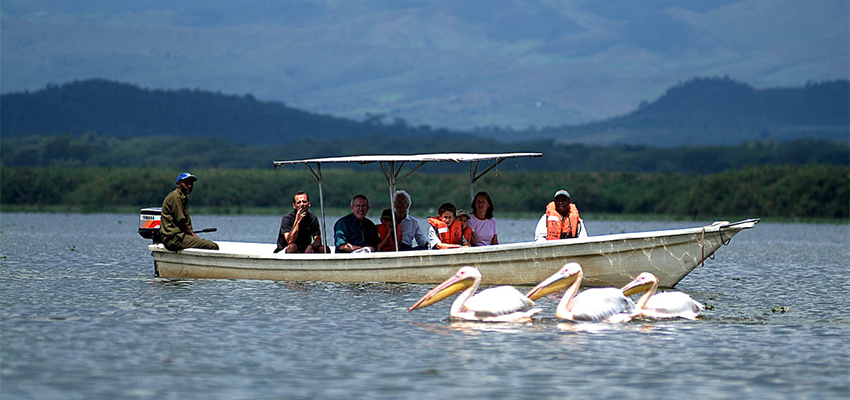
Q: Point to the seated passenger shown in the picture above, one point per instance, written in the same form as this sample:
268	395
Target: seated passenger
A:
561	220
446	232
482	221
386	230
355	232
299	229
412	237
463	217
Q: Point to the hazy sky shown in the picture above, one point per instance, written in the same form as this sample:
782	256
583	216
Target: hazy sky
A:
445	63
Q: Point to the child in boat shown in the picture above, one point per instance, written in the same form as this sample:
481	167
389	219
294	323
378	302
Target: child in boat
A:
385	232
463	217
446	232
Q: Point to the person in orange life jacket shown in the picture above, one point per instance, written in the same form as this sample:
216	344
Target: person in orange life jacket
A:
560	221
446	232
386	230
463	217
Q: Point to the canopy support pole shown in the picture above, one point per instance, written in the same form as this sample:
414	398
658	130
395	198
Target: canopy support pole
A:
474	176
472	167
390	173
318	175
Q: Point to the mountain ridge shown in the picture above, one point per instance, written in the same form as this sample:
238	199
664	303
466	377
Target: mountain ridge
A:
717	110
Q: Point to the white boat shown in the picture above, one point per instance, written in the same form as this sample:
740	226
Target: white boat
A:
607	260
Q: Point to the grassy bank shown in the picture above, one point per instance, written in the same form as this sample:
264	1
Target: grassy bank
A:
420	213
781	192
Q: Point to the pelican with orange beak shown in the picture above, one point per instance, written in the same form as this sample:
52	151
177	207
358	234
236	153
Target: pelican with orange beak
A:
595	305
660	305
498	304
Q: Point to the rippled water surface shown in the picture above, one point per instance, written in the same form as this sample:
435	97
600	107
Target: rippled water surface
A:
83	318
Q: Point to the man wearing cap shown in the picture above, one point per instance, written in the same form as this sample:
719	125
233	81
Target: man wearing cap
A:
176	224
561	220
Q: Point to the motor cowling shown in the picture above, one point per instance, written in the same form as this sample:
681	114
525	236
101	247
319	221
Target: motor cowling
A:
149	222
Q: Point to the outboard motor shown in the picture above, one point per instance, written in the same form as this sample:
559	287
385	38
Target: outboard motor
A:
149	221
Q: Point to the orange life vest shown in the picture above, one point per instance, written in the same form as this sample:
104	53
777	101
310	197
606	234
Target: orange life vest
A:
467	234
382	231
448	234
556	224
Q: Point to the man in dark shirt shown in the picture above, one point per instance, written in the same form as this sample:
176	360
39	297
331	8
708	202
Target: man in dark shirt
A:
176	224
355	232
299	228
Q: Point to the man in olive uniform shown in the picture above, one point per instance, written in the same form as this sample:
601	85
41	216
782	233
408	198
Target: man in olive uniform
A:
176	224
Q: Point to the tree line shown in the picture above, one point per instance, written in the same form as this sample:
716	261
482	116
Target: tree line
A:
93	150
804	191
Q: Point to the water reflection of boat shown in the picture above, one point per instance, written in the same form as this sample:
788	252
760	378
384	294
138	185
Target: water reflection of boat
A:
608	260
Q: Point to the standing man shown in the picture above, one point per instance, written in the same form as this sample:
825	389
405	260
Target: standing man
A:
410	229
561	220
354	232
176	224
299	228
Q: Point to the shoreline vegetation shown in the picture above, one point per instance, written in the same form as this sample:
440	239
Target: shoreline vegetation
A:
419	213
91	150
808	193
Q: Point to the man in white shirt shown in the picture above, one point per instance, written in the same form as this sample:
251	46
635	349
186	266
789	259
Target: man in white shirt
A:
412	237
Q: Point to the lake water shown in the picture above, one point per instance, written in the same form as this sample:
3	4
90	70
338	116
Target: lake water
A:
83	318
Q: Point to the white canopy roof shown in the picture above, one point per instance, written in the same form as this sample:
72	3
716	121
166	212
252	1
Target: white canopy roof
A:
455	157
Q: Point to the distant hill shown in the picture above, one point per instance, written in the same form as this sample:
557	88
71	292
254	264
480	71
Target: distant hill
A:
722	111
711	111
123	110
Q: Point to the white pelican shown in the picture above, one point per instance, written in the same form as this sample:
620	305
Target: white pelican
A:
498	304
660	305
597	305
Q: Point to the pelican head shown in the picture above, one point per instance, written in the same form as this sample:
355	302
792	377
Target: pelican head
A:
463	279
645	281
565	277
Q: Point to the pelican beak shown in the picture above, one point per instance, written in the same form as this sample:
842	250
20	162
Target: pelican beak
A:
449	287
553	284
636	286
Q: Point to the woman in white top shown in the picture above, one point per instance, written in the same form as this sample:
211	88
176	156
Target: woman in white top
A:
482	221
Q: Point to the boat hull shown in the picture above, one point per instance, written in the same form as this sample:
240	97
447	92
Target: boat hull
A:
607	260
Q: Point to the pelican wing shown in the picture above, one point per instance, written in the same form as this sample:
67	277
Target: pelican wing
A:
501	300
673	304
600	304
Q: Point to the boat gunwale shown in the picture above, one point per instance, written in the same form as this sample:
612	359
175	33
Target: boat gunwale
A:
717	227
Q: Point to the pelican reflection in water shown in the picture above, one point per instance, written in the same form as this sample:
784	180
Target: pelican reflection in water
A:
660	305
498	304
596	305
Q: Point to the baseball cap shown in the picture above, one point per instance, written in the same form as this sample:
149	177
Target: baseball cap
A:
186	175
563	192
